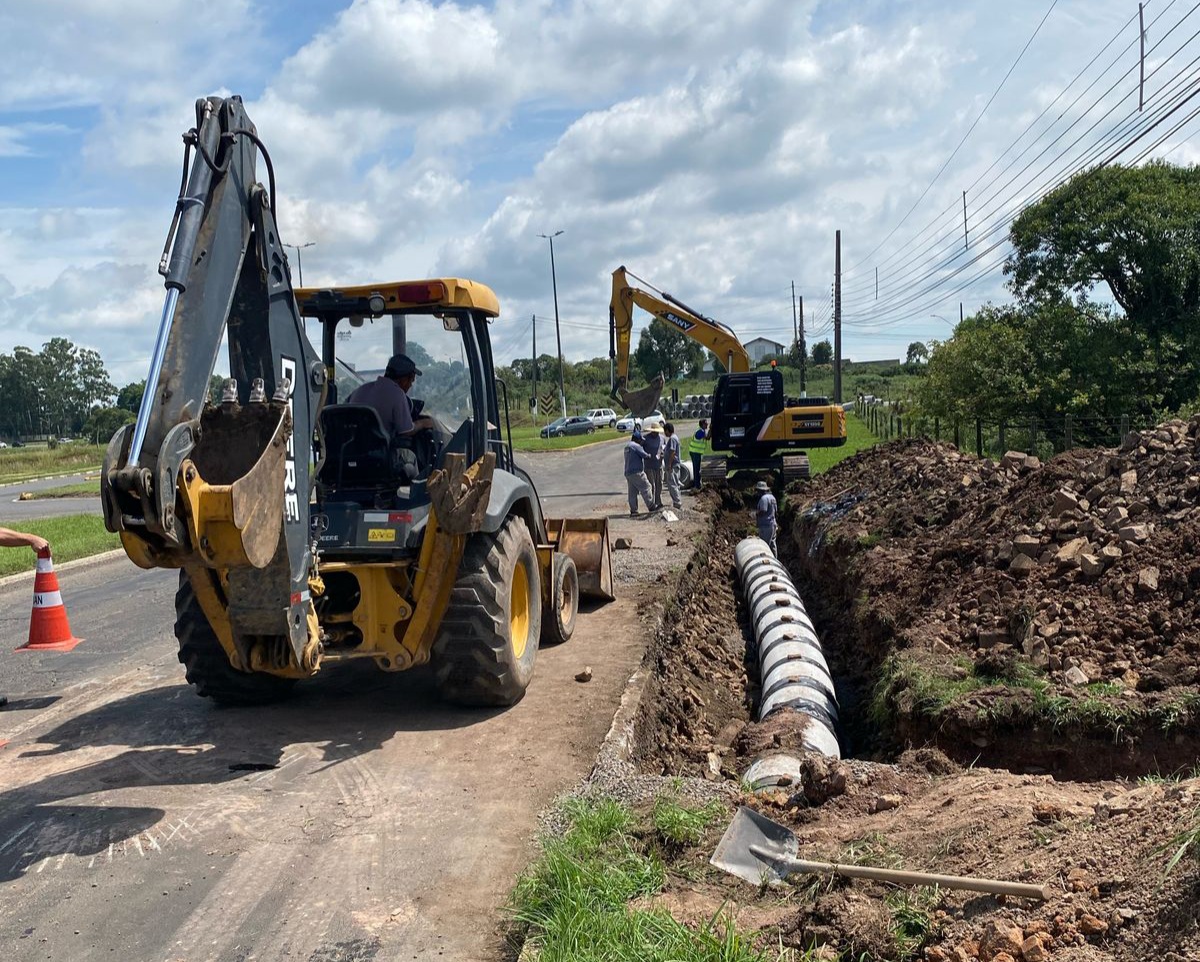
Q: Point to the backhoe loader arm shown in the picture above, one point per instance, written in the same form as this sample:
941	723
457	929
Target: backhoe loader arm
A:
711	333
225	488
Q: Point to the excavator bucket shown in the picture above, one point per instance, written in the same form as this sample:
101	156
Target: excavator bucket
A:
586	541
640	403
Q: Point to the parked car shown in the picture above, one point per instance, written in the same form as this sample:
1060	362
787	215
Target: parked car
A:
602	417
629	422
66	440
3	444
564	427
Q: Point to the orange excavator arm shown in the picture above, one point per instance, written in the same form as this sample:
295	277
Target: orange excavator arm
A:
714	335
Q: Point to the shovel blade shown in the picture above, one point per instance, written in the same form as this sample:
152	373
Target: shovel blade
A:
755	848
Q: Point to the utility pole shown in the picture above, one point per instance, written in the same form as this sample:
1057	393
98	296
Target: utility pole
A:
803	353
837	318
535	394
562	393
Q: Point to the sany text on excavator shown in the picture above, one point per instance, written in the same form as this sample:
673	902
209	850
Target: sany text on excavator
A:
754	426
305	534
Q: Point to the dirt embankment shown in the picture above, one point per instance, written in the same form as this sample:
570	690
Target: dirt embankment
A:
974	600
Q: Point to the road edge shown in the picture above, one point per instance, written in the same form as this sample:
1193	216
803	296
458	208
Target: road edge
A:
74	565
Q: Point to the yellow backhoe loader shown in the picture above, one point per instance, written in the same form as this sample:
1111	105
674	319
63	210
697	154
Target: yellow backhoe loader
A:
305	534
754	426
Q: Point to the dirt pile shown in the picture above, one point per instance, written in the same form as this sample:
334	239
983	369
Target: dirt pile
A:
970	597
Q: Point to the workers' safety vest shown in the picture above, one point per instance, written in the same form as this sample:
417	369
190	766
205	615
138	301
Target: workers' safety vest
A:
697	445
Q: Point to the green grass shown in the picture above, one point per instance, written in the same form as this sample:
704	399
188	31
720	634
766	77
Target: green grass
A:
858	437
24	464
913	924
909	686
1183	844
526	438
573	904
72	536
683	824
79	490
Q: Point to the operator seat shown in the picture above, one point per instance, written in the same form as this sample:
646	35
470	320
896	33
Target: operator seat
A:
360	458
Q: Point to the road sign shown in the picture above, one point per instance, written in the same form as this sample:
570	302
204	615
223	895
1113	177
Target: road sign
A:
547	400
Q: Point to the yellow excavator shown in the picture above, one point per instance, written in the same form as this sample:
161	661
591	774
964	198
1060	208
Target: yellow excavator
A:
306	535
754	427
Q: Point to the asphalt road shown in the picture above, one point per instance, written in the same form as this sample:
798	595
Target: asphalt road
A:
360	820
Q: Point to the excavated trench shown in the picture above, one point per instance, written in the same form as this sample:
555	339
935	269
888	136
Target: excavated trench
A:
988	709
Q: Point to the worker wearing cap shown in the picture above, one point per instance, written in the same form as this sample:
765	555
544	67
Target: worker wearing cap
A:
635	473
652	442
766	515
388	394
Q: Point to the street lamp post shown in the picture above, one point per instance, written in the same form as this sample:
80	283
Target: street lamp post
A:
562	394
299	264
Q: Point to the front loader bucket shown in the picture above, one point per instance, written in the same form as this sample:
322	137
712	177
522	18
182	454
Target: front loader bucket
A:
640	403
586	541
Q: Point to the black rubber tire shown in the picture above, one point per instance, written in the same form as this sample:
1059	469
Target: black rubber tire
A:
612	423
558	621
475	660
207	668
591	430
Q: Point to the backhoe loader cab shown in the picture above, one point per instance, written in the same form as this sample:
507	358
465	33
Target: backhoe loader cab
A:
306	534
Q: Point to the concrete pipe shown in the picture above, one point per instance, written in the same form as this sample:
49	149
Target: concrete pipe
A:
793	672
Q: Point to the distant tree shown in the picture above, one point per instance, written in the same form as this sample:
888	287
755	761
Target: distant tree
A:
1135	230
663	350
917	352
822	352
102	423
130	396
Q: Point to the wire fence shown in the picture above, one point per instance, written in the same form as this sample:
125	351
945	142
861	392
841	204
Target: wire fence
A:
988	437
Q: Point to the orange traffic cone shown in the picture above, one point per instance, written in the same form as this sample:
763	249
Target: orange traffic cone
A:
49	629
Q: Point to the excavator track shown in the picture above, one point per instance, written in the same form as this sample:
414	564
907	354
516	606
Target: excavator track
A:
795	468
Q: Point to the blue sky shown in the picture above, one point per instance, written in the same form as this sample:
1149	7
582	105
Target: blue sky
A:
711	147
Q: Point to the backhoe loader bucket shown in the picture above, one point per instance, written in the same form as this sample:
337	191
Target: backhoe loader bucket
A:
640	403
586	541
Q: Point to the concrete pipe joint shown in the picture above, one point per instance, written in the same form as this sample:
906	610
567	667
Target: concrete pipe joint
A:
793	672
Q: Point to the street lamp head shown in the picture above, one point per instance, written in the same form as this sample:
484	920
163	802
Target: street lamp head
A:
550	236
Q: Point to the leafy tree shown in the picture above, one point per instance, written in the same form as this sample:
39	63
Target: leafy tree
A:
1135	230
822	352
130	396
917	352
663	350
103	423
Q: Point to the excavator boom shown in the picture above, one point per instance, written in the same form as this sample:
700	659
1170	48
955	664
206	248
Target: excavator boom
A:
223	491
714	335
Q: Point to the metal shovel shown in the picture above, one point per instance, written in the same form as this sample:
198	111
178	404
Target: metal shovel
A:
759	850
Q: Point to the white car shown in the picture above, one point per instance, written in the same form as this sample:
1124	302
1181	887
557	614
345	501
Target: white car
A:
602	417
629	422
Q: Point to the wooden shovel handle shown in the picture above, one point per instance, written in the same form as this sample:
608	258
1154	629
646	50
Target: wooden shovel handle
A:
899	877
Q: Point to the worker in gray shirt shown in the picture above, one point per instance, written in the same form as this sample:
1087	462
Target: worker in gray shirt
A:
635	473
388	394
672	452
652	441
766	515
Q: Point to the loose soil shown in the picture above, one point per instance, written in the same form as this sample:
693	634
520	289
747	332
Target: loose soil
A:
1017	656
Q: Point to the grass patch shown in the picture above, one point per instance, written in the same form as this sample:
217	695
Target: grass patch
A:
526	439
913	924
71	536
909	687
82	489
573	904
24	464
1183	844
683	824
858	437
